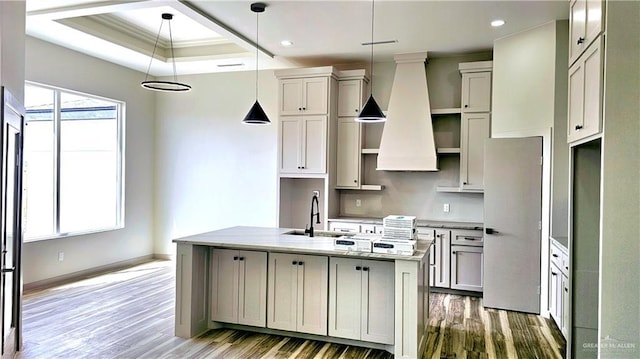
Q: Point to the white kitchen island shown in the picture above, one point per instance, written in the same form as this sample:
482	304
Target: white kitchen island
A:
199	307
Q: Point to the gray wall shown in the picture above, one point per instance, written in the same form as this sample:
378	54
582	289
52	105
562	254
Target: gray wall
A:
12	22
212	170
53	65
415	192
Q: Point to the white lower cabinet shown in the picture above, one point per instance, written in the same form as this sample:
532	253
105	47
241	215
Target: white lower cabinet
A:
349	227
466	268
559	286
441	248
238	287
361	300
297	293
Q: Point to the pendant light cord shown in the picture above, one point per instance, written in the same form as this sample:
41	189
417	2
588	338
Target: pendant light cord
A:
173	57
153	54
257	34
371	64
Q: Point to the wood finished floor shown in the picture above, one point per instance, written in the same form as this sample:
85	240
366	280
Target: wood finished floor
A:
129	314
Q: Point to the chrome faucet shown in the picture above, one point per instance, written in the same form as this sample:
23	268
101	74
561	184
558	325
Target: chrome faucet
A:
314	199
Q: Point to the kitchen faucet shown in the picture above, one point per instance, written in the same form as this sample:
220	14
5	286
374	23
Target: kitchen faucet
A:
309	230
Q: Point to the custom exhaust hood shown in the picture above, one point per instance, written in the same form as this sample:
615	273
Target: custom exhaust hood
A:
407	142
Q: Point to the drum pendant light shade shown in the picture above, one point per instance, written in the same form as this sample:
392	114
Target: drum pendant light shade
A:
159	85
371	112
256	115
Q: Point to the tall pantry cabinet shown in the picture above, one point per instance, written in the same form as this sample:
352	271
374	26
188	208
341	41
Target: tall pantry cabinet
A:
307	130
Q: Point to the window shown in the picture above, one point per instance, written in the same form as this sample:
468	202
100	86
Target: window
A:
74	165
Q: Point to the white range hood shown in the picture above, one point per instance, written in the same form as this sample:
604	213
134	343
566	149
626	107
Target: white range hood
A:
407	142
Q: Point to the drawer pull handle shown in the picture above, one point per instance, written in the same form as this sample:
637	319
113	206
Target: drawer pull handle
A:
241	258
566	290
579	127
294	263
366	269
235	258
470	238
580	40
358	267
554	273
555	255
300	263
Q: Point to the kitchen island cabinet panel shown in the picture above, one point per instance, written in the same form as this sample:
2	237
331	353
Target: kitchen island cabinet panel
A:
297	293
238	287
361	300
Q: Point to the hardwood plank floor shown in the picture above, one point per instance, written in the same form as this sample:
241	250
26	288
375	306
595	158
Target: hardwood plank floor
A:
129	314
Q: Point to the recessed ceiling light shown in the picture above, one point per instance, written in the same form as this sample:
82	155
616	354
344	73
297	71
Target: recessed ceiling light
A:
286	43
497	23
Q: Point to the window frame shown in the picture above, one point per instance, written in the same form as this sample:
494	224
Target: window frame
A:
120	130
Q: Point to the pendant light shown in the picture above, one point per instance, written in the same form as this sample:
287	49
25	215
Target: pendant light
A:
256	115
371	112
164	86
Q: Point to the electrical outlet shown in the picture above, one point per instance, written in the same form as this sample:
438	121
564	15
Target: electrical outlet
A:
316	193
358	203
445	208
60	256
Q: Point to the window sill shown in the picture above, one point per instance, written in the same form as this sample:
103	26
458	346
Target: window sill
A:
74	234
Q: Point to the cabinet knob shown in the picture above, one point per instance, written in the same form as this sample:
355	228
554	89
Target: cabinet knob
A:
566	289
241	258
464	183
299	108
304	109
554	273
580	40
554	255
454	252
466	106
366	269
358	267
235	258
355	181
300	263
579	127
356	110
294	263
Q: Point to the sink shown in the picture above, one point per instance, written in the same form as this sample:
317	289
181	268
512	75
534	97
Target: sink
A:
329	234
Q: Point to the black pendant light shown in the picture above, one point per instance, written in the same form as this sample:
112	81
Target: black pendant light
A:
256	115
371	112
164	86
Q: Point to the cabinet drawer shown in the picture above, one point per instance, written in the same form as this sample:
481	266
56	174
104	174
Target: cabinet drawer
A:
556	256
344	227
466	237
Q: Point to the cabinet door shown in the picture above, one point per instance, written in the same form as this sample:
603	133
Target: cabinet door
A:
476	92
475	129
291	97
290	144
314	144
577	26
585	94
378	296
345	277
312	294
565	306
252	285
349	98
315	96
368	228
442	251
282	291
555	284
224	285
466	268
348	152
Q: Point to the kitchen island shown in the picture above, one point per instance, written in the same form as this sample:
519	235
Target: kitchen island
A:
201	272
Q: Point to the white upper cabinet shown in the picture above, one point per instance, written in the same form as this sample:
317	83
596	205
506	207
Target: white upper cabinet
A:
348	161
350	98
476	92
586	19
585	94
475	128
303	145
304	96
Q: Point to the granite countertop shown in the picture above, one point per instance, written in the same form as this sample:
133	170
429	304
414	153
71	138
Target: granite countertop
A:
420	223
277	239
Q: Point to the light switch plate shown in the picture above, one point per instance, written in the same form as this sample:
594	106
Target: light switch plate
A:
445	208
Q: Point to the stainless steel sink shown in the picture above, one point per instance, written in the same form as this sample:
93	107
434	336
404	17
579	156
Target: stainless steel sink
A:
329	234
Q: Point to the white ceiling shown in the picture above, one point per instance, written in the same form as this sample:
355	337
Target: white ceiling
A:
209	33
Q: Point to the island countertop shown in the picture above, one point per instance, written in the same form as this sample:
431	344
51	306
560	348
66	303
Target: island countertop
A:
277	239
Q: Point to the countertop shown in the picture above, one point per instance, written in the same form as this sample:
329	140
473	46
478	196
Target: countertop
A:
419	222
277	239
